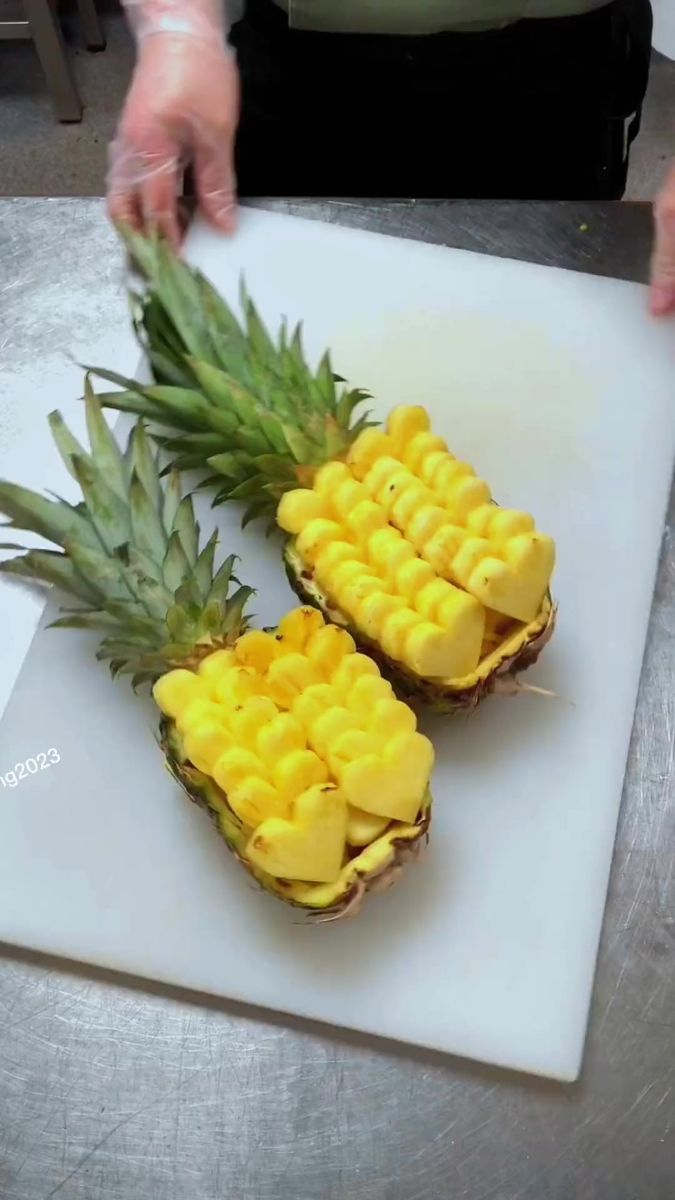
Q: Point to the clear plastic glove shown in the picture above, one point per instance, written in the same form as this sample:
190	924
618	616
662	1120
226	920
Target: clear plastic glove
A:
663	262
182	107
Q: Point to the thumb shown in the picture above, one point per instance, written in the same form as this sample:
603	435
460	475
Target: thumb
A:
662	298
216	183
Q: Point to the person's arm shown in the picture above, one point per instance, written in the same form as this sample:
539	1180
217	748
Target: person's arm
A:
182	106
663	262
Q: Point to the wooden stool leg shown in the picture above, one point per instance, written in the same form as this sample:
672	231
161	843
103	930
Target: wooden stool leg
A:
93	33
46	34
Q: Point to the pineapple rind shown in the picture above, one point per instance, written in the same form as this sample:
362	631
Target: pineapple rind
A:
496	671
376	866
408	482
308	773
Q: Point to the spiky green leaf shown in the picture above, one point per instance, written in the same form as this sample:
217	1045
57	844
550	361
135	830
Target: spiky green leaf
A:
53	520
172	498
203	568
222	580
133	402
176	567
233	464
254	510
297	443
89	619
145	568
66	443
55	568
271	427
105	572
147	530
143	464
187	529
235	610
249	488
189	598
104	447
180	626
108	514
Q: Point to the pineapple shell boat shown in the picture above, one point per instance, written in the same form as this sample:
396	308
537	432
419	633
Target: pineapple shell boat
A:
503	657
313	772
389	534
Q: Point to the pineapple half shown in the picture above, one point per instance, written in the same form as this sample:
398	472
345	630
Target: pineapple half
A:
389	535
312	770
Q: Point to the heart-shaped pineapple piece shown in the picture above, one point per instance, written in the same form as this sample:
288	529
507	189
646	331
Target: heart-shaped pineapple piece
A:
311	845
516	583
391	784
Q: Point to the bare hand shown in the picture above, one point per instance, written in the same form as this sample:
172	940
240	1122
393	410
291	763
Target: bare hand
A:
663	261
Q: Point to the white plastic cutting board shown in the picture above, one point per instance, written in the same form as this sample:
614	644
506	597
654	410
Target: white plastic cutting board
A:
560	389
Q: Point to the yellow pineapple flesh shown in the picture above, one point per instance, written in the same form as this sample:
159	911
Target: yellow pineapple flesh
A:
408	544
307	746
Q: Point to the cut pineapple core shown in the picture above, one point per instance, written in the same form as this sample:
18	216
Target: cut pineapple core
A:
408	543
308	744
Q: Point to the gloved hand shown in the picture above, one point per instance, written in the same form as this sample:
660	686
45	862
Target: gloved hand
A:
182	106
663	262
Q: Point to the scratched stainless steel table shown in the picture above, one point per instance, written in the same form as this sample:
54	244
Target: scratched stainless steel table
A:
118	1090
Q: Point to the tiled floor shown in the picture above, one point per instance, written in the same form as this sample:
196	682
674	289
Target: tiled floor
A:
40	157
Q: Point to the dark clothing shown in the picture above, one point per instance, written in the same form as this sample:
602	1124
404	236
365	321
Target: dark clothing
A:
543	109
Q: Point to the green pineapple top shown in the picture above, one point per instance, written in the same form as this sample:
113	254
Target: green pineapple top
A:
129	552
245	407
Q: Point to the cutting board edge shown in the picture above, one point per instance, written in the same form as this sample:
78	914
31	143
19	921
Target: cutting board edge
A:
162	983
200	226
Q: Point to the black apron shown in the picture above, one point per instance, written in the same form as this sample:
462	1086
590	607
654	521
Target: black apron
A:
542	109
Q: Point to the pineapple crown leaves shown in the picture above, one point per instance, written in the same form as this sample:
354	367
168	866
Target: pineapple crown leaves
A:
129	552
250	411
